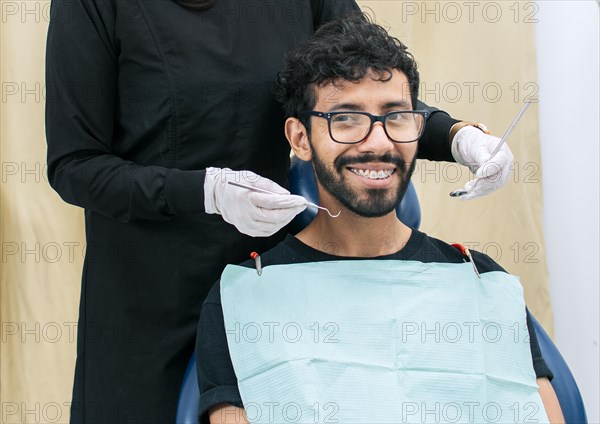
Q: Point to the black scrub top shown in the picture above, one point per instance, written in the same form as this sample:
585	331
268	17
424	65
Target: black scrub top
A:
142	96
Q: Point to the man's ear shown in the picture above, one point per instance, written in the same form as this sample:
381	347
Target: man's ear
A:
297	136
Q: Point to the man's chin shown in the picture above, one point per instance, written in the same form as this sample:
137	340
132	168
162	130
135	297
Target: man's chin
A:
371	214
371	208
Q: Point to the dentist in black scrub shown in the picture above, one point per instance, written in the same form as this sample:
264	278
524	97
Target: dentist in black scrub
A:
155	106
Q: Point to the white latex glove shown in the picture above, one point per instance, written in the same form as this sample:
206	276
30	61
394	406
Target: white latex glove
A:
473	148
252	213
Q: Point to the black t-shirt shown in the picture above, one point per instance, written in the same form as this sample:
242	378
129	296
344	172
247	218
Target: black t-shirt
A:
216	376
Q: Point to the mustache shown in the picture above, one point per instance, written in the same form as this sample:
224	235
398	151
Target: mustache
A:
344	161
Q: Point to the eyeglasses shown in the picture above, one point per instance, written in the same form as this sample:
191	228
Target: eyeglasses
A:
404	126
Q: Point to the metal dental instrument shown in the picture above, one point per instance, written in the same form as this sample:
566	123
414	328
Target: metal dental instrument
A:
462	192
260	190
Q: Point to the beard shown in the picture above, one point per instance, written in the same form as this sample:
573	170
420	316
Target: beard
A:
373	203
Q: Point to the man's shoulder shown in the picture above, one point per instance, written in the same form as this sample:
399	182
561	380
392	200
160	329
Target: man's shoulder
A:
283	253
435	250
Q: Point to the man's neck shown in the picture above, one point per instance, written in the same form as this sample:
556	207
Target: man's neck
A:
355	236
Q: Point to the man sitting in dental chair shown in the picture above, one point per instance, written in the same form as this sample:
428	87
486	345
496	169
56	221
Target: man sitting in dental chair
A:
359	318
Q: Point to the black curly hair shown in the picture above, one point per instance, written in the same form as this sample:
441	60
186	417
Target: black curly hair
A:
343	49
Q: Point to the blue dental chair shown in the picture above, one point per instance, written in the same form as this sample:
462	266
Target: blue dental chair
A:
302	182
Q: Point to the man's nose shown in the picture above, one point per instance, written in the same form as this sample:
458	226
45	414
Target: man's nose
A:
377	141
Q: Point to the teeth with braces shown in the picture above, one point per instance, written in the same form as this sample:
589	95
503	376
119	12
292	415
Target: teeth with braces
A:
373	175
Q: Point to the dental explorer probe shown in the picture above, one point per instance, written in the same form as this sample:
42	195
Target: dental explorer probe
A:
261	190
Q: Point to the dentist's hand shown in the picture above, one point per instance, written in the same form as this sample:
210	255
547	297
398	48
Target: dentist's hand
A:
252	213
473	148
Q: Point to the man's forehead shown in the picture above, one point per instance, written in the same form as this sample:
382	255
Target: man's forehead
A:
379	88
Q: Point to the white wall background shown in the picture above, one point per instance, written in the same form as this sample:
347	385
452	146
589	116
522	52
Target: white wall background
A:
567	52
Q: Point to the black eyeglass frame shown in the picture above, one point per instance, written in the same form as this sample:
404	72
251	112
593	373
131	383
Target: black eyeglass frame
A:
373	118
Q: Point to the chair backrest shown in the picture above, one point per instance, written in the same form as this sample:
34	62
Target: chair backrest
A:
188	405
302	182
563	383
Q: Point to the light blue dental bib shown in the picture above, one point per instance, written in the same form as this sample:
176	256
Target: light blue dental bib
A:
380	341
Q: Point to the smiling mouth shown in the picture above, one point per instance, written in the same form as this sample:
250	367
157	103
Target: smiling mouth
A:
372	174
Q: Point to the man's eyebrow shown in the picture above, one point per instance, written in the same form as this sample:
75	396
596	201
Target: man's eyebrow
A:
353	106
345	106
400	103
